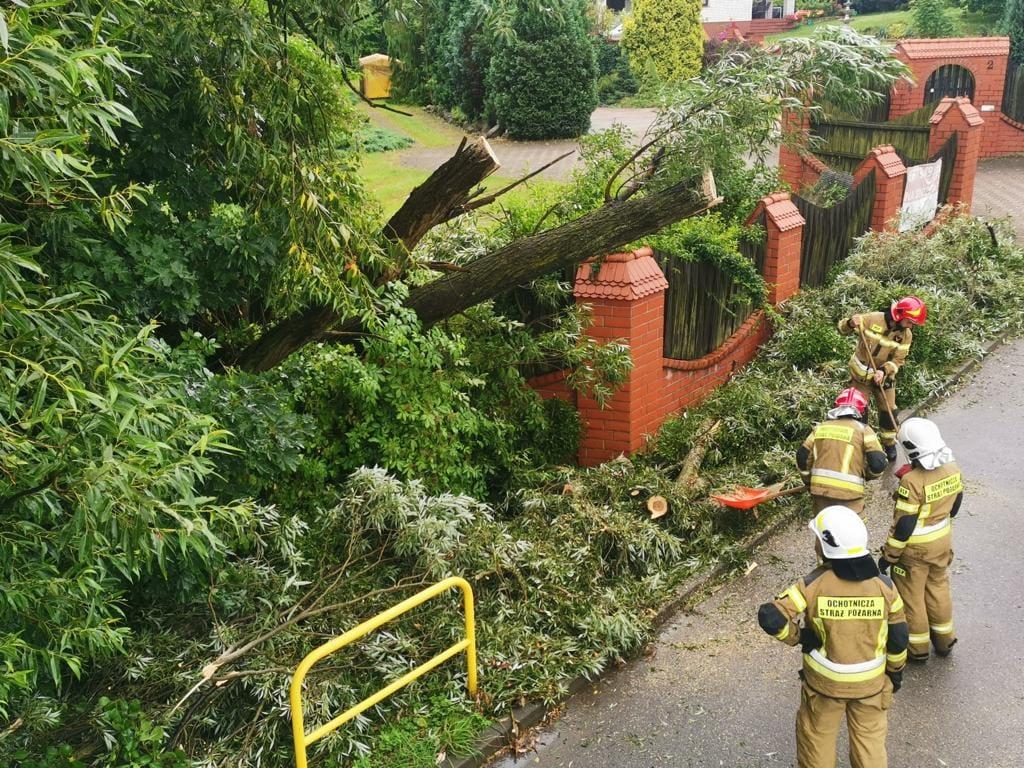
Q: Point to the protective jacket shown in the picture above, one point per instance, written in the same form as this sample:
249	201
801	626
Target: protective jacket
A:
858	626
888	346
838	456
920	545
926	502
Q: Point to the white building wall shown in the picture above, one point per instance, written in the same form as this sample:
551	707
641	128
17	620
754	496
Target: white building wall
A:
728	10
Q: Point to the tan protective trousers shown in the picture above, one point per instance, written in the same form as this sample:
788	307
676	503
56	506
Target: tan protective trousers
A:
817	728
882	397
922	578
818	503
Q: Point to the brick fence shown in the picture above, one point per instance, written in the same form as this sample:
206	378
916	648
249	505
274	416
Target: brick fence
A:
627	303
801	169
987	58
626	298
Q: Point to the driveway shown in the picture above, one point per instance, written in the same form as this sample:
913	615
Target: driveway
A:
719	692
520	157
999	191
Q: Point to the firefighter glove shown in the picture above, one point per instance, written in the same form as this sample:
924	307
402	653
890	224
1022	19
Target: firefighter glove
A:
809	640
883	564
897	680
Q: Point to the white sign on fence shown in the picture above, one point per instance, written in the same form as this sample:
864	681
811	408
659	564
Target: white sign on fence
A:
920	195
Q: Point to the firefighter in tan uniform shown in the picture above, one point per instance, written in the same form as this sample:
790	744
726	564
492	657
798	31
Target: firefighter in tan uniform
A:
885	339
919	546
840	454
854	639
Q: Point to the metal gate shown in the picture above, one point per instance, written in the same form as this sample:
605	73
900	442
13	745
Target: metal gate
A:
949	80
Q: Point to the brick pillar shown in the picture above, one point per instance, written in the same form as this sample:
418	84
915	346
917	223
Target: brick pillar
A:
960	117
627	303
791	168
785	227
890	178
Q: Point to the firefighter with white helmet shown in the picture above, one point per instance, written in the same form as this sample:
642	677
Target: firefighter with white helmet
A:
854	640
841	454
885	339
919	546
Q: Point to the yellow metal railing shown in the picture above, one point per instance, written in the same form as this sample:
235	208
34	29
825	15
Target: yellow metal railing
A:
467	644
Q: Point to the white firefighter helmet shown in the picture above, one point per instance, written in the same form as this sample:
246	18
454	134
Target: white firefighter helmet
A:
923	443
841	532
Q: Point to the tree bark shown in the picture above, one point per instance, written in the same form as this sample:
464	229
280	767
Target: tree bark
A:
440	197
595	234
599	232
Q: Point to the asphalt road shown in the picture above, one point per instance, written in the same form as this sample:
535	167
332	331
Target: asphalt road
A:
719	692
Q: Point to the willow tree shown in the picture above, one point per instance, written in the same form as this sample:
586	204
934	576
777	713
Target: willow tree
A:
732	109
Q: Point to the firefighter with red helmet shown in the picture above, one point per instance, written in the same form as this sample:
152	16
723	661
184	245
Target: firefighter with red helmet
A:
885	339
841	454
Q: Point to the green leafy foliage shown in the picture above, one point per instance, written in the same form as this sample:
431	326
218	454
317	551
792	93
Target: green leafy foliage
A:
441	727
565	584
541	82
1013	25
614	77
102	463
374	139
931	19
467	55
130	740
664	39
449	407
255	197
969	284
709	239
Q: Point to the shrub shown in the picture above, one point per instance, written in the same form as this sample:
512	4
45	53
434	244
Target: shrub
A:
374	139
104	457
542	83
878	6
664	38
931	19
615	78
468	48
1013	25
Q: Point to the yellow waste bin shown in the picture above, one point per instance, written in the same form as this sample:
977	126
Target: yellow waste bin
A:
376	76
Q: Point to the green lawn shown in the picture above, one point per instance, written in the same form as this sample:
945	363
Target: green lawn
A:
390	181
968	23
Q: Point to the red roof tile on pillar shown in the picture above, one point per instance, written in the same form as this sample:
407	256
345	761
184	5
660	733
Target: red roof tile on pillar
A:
968	110
888	161
782	212
954	47
623	276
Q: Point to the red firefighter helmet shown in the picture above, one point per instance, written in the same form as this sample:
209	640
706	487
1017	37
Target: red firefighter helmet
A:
910	308
854	397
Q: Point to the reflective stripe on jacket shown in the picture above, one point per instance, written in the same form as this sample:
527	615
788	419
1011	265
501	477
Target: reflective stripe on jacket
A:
888	346
852	619
836	463
924	500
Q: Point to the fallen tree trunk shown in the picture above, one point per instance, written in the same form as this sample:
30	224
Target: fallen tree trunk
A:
609	227
443	194
689	479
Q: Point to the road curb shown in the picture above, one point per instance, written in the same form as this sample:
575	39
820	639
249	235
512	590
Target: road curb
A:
498	735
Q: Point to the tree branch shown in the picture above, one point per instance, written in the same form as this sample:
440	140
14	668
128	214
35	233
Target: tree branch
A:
594	234
481	202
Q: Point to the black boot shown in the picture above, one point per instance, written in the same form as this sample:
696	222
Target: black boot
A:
890	453
948	650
